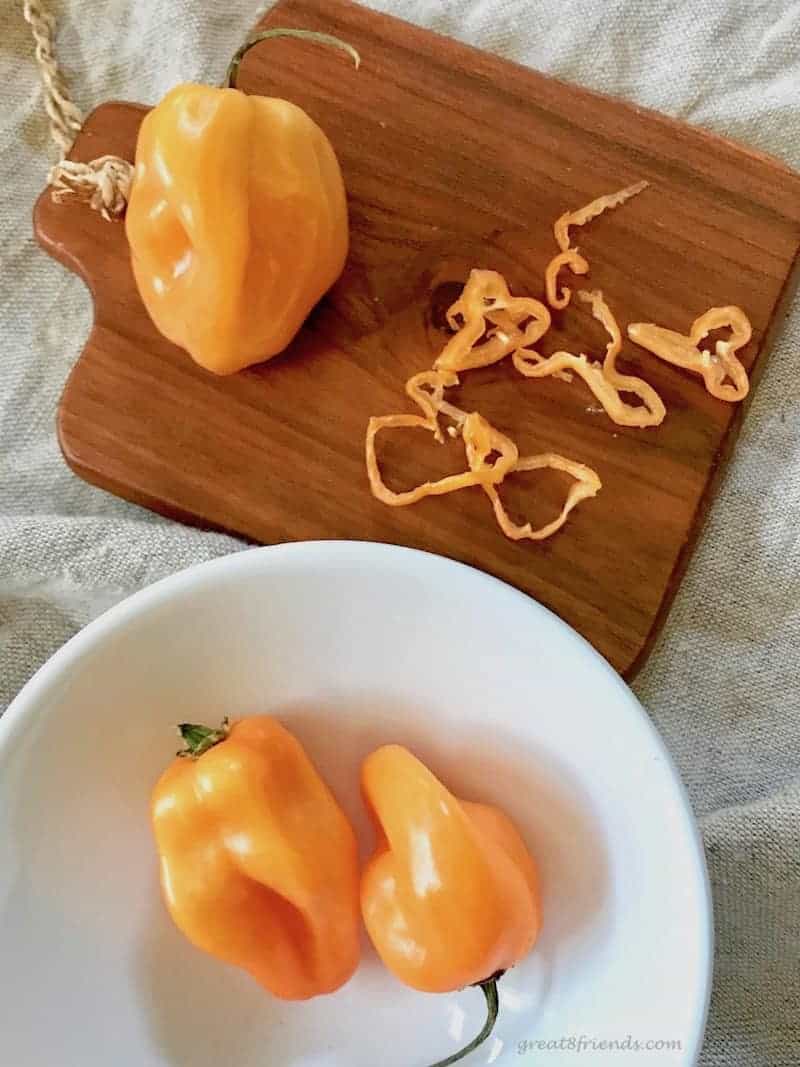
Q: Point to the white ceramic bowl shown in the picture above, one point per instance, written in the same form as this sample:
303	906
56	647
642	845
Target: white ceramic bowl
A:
352	645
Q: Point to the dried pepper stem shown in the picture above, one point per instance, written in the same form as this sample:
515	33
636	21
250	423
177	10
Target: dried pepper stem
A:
232	74
489	990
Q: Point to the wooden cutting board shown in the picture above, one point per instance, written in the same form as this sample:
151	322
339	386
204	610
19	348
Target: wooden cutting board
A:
453	159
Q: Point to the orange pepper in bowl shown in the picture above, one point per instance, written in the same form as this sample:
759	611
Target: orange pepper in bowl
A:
450	896
259	864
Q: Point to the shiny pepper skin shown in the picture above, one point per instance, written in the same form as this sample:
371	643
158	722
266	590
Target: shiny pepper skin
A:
237	222
450	896
259	865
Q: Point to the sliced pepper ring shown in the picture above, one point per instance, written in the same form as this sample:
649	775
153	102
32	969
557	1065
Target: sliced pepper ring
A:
684	351
590	211
604	380
571	258
481	440
587	484
430	402
654	412
469	425
486	307
534	365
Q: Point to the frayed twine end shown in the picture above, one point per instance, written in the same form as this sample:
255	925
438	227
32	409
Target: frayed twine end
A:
103	183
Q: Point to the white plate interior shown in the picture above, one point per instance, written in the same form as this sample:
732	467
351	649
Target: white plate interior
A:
352	645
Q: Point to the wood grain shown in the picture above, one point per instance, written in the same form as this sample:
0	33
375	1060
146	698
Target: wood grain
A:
453	159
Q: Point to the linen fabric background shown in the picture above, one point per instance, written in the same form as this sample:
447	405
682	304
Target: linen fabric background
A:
723	684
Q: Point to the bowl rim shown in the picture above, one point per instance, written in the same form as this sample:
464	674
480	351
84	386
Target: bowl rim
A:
23	706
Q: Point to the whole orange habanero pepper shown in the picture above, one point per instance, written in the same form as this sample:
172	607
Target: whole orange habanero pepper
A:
237	218
259	864
450	896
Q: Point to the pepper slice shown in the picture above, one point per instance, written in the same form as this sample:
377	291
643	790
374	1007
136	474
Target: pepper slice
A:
604	380
570	256
468	425
587	484
481	440
684	351
577	264
486	306
590	211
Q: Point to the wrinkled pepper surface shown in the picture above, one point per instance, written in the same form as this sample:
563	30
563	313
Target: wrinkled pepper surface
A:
237	222
450	895
259	864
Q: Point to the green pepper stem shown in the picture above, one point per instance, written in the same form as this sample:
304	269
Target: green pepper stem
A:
200	739
489	989
305	35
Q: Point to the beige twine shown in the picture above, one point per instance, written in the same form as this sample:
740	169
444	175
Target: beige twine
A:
103	183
